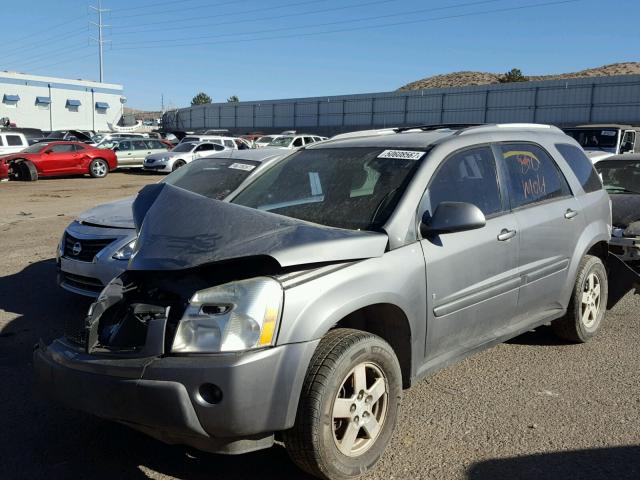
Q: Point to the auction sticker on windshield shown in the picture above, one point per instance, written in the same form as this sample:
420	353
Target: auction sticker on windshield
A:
402	154
242	166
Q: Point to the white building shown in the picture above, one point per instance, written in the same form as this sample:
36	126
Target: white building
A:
48	103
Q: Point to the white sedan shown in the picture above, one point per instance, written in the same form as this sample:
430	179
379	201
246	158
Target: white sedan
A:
180	155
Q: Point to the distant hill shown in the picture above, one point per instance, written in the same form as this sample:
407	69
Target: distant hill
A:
464	79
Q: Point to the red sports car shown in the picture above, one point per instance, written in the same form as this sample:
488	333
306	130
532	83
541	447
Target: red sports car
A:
55	159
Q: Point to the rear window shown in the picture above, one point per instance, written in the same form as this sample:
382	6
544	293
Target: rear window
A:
212	178
581	167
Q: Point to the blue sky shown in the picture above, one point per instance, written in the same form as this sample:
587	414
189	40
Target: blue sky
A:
295	48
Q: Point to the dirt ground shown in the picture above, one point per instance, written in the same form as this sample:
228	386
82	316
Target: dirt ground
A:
532	408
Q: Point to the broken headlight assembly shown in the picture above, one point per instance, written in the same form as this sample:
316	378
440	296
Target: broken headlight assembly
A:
232	317
124	253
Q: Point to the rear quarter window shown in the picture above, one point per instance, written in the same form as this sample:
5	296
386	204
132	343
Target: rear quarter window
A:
581	167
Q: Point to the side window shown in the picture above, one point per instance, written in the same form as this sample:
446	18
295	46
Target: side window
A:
468	176
628	142
1	141
79	148
533	175
229	143
14	140
581	167
64	148
205	147
308	140
217	147
139	145
297	142
124	146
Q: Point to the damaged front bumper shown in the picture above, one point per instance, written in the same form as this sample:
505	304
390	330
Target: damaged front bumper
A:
223	403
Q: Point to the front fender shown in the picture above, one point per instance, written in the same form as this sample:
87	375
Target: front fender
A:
398	277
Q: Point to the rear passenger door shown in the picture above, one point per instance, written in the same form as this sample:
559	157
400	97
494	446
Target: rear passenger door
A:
549	225
472	276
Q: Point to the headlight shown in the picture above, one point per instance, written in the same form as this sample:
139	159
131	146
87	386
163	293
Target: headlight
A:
231	317
125	252
61	245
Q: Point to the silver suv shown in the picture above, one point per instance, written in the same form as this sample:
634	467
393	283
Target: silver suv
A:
342	275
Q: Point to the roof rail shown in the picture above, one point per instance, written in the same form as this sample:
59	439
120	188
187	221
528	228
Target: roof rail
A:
437	126
516	126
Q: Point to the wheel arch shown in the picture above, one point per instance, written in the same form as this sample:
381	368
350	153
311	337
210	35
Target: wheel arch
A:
389	322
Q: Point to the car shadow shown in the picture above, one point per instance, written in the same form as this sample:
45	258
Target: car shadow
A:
619	463
542	336
44	440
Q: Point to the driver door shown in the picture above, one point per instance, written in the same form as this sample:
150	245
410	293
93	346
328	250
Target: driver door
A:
59	159
472	276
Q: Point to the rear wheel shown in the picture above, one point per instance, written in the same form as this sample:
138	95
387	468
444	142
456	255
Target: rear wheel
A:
25	170
98	168
177	164
348	406
588	303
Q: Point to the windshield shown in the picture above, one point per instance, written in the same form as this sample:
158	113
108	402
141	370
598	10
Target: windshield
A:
184	147
265	140
620	176
56	134
350	188
35	148
213	178
281	142
605	139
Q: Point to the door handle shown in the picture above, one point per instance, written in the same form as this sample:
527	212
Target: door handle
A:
569	214
506	234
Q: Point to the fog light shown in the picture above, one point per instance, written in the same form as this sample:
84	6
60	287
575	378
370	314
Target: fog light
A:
210	393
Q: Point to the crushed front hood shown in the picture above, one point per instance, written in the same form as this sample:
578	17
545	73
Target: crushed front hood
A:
625	209
180	229
113	214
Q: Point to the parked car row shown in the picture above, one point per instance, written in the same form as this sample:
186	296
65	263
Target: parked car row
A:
257	295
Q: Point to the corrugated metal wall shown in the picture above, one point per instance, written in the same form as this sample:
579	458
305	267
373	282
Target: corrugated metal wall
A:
559	102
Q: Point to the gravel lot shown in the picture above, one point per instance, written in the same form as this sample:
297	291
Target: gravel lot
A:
533	408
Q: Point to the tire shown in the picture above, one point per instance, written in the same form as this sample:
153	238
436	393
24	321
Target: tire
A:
319	442
25	171
98	168
588	303
177	164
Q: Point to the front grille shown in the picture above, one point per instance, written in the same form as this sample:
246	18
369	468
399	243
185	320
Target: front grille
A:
150	160
84	250
83	283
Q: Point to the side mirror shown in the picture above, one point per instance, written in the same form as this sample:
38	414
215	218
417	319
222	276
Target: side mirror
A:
451	217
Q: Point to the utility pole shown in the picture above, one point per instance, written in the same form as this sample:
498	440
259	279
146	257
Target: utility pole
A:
100	39
162	102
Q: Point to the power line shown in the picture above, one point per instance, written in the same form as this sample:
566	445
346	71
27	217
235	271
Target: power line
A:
337	22
217	15
47	30
182	9
39	45
260	19
68	60
149	5
40	57
366	27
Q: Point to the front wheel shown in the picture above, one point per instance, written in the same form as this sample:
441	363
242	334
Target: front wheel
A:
348	406
98	168
588	303
177	165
